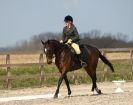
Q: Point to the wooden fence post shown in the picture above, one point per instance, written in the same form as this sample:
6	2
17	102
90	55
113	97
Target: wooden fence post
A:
131	58
104	68
41	70
8	85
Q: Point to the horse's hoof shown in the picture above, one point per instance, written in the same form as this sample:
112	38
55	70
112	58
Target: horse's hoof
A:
55	96
99	92
69	93
69	96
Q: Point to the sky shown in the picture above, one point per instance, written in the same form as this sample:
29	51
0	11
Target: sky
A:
22	19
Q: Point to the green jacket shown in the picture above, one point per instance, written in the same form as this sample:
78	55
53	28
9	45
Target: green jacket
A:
72	33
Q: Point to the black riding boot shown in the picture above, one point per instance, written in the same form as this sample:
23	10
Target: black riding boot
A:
82	60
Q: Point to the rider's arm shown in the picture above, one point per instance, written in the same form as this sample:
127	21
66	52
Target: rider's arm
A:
76	35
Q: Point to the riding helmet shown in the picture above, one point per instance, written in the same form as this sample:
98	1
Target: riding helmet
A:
68	18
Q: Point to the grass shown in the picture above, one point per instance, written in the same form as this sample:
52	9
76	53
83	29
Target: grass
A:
24	83
122	71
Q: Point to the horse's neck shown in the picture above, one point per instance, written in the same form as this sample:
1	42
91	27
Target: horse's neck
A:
59	49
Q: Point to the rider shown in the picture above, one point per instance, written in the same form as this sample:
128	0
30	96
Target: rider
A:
70	36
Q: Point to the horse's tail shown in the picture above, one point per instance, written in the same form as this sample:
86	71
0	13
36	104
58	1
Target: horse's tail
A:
106	61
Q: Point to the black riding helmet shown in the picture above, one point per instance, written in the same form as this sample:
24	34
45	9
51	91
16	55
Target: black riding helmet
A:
68	18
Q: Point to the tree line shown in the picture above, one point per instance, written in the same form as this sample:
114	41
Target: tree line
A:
93	37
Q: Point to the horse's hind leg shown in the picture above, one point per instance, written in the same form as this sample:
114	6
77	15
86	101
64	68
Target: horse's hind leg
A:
94	86
92	74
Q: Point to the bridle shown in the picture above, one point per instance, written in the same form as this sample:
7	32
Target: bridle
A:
46	51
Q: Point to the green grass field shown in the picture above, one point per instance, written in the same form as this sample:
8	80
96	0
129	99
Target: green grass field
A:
122	71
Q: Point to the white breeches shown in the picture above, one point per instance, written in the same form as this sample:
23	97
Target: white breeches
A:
76	48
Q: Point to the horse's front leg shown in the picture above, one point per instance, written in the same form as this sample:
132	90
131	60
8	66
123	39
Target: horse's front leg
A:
59	83
67	84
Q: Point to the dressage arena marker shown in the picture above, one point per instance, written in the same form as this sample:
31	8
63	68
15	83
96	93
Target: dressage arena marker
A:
119	86
32	97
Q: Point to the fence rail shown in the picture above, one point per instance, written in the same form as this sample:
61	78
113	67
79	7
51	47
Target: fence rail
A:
8	66
41	63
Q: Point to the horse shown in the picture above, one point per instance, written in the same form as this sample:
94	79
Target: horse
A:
66	62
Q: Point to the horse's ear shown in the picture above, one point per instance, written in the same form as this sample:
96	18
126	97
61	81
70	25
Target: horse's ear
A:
42	42
48	41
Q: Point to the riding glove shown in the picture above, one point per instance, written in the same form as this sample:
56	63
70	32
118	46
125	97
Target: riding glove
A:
69	41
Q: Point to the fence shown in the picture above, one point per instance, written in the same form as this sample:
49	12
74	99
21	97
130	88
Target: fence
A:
8	66
40	62
120	54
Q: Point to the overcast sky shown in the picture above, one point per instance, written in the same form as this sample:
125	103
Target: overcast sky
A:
21	19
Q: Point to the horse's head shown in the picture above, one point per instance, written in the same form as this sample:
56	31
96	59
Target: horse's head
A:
49	50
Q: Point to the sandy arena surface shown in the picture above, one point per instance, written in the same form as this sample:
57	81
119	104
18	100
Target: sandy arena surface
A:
81	95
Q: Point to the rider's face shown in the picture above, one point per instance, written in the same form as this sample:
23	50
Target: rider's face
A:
68	24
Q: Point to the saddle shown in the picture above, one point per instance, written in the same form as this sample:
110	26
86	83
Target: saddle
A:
84	53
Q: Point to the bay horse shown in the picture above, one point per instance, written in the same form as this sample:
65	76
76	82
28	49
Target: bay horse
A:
66	61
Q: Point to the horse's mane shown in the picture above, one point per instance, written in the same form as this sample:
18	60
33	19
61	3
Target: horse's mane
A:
60	45
53	40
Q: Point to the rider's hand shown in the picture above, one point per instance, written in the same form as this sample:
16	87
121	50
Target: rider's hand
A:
69	41
61	41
